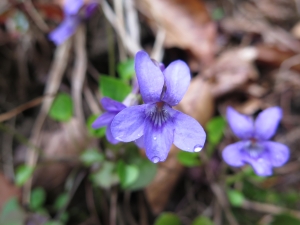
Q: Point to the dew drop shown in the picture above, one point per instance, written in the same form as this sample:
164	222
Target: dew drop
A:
197	148
139	135
155	159
154	138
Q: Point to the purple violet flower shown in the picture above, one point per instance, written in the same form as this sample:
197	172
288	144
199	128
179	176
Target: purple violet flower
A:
72	19
255	147
155	124
113	108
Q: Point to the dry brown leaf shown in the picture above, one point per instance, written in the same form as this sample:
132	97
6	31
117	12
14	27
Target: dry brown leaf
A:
198	103
187	25
232	69
7	191
61	149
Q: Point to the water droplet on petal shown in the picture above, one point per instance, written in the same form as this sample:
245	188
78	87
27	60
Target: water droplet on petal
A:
139	135
155	159
154	138
197	148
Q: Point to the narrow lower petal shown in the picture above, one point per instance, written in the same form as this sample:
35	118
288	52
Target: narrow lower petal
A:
65	30
261	166
140	142
241	125
109	135
111	105
233	154
279	153
267	122
128	125
149	76
177	80
158	141
189	134
103	120
72	7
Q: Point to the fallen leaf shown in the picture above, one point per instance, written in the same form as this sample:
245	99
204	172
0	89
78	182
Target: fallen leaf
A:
193	31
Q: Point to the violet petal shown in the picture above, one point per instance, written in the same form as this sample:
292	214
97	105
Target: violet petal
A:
103	120
241	125
150	78
71	7
109	135
111	105
267	122
140	142
128	125
65	30
158	141
233	154
278	153
177	80
189	134
261	166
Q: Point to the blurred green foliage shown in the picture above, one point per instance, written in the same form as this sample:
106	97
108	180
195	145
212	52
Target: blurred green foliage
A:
91	156
202	220
98	133
23	173
37	199
126	69
189	159
62	108
167	218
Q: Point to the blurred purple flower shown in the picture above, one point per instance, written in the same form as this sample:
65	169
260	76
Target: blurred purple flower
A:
72	19
255	147
155	124
113	108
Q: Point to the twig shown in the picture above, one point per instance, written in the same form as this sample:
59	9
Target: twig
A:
127	209
218	191
92	103
12	113
158	50
268	208
80	67
90	202
55	76
131	46
118	6
113	206
143	211
132	21
7	153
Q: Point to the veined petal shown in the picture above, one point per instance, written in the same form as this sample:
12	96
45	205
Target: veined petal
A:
109	135
65	30
158	141
128	125
140	142
241	125
279	153
177	80
233	154
261	166
111	105
103	120
150	78
72	7
189	134
267	122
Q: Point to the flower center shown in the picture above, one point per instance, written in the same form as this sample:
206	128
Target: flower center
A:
253	148
158	113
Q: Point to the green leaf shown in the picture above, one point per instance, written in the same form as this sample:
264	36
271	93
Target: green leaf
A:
91	156
37	198
285	219
147	171
62	108
12	213
114	88
215	129
128	174
61	201
167	219
235	197
189	159
106	176
126	69
217	14
202	220
98	133
23	173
